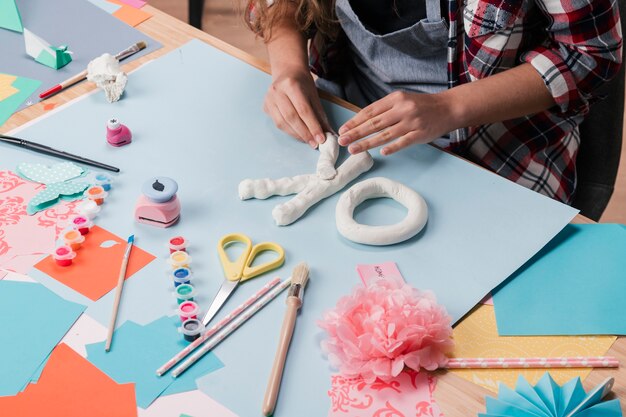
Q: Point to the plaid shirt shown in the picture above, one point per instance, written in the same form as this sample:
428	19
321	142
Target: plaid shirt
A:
576	45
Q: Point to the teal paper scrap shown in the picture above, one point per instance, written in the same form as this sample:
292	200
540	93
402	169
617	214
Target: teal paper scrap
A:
548	399
11	104
45	174
33	320
584	265
53	193
138	351
10	16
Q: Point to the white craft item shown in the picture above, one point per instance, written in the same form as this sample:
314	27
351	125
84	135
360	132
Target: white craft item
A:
329	152
378	187
106	72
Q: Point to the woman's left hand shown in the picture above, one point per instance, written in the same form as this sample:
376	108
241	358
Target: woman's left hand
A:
399	119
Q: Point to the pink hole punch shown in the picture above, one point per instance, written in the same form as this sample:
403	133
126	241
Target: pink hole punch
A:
117	133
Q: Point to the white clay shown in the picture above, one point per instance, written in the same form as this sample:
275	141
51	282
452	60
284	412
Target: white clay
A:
412	224
311	188
329	152
106	72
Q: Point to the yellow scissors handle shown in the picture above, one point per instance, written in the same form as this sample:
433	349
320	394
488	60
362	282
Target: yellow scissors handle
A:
253	271
233	271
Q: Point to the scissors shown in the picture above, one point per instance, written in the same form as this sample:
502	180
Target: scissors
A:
241	270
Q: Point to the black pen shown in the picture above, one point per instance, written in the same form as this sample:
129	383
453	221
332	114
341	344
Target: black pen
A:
54	152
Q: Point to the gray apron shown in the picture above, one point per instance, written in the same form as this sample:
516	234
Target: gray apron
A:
411	59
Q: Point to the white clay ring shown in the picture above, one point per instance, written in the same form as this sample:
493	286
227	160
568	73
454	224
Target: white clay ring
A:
411	225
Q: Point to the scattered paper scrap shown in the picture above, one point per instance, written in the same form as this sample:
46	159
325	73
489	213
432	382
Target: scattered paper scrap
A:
100	264
70	386
476	336
49	106
51	56
6	87
53	193
583	264
137	4
130	15
548	399
408	394
9	105
10	16
108	7
44	174
22	349
137	351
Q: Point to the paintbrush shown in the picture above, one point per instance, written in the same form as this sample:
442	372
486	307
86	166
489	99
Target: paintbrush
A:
299	278
131	50
118	292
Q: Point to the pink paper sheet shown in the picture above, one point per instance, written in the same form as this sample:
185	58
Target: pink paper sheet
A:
137	4
410	394
23	238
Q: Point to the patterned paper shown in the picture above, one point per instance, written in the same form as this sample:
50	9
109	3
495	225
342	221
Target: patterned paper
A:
45	174
477	337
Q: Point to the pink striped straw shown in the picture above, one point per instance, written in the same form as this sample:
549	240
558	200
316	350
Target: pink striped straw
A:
217	327
503	363
241	319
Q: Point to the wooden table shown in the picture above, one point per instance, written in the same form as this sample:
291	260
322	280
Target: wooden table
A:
456	397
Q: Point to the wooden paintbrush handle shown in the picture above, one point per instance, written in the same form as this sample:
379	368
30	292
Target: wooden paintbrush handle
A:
286	332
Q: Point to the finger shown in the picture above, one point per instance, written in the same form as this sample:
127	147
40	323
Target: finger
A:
367	113
323	119
371	126
310	119
383	137
401	143
280	122
291	116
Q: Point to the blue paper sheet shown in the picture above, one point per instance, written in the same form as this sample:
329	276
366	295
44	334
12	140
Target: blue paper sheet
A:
33	320
574	286
208	132
137	351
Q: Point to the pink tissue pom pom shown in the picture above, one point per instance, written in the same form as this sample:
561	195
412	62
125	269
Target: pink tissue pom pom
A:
378	330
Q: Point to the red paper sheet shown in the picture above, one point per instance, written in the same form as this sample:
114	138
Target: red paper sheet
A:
96	267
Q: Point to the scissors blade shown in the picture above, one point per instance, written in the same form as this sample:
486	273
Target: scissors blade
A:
225	291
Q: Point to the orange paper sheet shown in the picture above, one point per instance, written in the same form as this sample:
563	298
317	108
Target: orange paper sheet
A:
129	14
96	267
70	386
477	337
6	89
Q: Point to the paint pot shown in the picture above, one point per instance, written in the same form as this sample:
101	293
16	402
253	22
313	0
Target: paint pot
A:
104	181
179	259
188	310
184	292
73	239
89	209
191	329
63	255
81	223
177	243
96	193
181	276
117	133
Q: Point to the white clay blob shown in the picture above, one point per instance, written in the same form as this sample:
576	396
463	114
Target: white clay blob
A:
106	72
411	225
329	152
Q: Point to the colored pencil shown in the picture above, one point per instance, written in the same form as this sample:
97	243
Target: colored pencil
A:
118	292
241	319
217	327
503	363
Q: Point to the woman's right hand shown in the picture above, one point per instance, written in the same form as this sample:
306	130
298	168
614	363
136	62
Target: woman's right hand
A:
294	105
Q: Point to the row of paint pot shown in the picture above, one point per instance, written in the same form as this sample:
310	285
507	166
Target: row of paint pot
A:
188	310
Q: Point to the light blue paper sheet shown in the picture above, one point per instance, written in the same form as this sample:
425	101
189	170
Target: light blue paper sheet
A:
137	351
583	266
208	132
110	8
33	320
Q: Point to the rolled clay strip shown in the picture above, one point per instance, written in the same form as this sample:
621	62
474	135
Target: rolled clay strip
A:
266	187
329	152
378	187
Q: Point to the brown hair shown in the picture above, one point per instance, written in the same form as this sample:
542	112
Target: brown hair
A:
309	14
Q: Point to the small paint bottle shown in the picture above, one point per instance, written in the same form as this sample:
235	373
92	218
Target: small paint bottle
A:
96	193
63	255
181	276
184	292
178	243
81	223
188	310
73	239
179	259
104	181
117	133
89	209
191	329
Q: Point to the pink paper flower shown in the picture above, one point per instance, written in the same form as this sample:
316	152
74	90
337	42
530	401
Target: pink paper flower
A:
378	330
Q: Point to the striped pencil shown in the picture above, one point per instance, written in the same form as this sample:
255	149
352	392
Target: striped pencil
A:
217	327
241	319
504	363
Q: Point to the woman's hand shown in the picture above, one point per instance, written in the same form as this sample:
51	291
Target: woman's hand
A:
293	103
399	119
